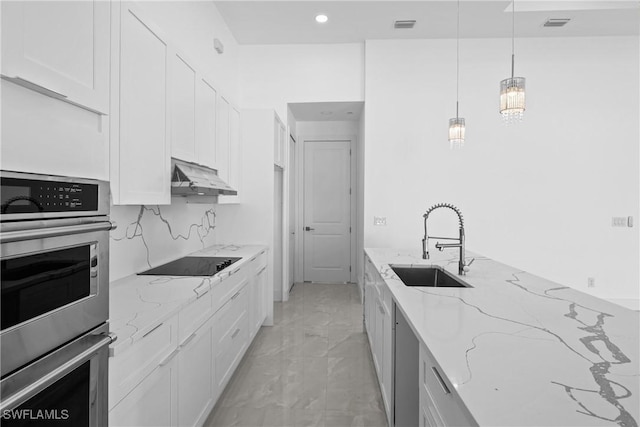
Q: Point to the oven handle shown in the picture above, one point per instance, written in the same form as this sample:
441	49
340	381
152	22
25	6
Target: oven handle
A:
95	343
41	233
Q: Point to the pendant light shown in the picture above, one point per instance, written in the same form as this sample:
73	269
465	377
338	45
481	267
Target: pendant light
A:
456	124
512	93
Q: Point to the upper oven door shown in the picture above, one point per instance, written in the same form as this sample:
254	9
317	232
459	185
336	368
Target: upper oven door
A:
55	287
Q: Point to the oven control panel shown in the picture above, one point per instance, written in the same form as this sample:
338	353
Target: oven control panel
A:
21	195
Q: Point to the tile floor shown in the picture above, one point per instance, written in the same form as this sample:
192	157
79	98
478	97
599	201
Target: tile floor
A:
312	368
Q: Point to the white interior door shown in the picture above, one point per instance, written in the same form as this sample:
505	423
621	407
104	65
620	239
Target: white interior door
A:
327	211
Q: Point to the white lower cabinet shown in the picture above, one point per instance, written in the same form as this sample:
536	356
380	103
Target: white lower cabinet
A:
439	404
153	402
231	336
196	390
379	328
174	374
257	311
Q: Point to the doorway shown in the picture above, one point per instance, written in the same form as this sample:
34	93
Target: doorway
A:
327	210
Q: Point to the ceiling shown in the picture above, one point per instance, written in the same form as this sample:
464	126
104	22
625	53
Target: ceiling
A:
326	111
292	22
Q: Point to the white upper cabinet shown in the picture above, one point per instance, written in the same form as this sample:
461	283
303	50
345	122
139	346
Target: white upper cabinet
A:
140	146
183	108
235	158
222	139
59	48
206	99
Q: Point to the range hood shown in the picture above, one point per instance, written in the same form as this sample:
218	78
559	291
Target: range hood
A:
194	180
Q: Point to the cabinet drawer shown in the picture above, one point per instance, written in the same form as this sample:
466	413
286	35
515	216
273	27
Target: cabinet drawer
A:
261	261
439	395
229	314
128	369
228	288
194	315
232	336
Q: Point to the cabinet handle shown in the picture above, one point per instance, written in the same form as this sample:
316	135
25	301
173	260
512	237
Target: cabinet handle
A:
236	295
235	333
440	380
261	270
206	287
34	86
149	333
189	338
169	357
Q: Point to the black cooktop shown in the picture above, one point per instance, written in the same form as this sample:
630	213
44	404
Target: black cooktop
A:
192	266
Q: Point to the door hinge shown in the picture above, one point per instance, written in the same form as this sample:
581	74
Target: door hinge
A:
349	229
349	151
349	191
349	269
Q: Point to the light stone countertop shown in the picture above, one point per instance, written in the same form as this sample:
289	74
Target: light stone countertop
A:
137	304
521	350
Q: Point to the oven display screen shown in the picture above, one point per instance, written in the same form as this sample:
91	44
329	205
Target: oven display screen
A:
31	196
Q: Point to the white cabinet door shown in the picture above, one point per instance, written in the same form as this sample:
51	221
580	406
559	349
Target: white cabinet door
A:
257	311
59	48
195	380
222	139
141	156
151	403
235	158
183	108
206	98
279	142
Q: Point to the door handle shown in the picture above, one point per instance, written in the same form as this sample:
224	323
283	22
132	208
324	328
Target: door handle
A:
309	229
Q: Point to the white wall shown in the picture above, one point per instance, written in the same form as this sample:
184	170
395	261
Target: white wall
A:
273	75
539	195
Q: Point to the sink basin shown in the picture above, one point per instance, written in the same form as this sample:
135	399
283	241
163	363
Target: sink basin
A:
435	277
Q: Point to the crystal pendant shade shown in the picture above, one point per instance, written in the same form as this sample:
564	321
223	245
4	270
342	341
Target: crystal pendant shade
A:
456	132
512	99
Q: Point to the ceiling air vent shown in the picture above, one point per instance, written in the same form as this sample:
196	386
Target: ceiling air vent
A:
560	22
404	24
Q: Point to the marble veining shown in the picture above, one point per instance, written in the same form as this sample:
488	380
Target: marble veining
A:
148	236
551	341
140	303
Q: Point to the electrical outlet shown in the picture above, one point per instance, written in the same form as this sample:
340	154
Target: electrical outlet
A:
379	220
629	221
620	221
591	282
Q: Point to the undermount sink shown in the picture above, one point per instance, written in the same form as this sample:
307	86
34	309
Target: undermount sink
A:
435	277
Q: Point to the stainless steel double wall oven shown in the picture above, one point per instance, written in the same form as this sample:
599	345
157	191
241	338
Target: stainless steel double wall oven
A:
54	237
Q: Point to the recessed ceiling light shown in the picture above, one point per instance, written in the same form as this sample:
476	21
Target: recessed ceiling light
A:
326	113
322	18
349	112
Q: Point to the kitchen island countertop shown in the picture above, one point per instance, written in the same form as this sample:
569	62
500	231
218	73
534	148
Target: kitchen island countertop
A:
521	350
137	304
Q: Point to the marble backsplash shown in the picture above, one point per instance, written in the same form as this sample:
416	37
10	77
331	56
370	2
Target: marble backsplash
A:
150	235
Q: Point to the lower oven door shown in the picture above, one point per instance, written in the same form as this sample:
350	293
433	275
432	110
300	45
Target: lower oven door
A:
67	387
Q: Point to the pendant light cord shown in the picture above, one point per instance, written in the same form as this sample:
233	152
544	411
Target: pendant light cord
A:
513	32
457	58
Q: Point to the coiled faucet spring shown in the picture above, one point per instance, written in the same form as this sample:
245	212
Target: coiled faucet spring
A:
441	246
